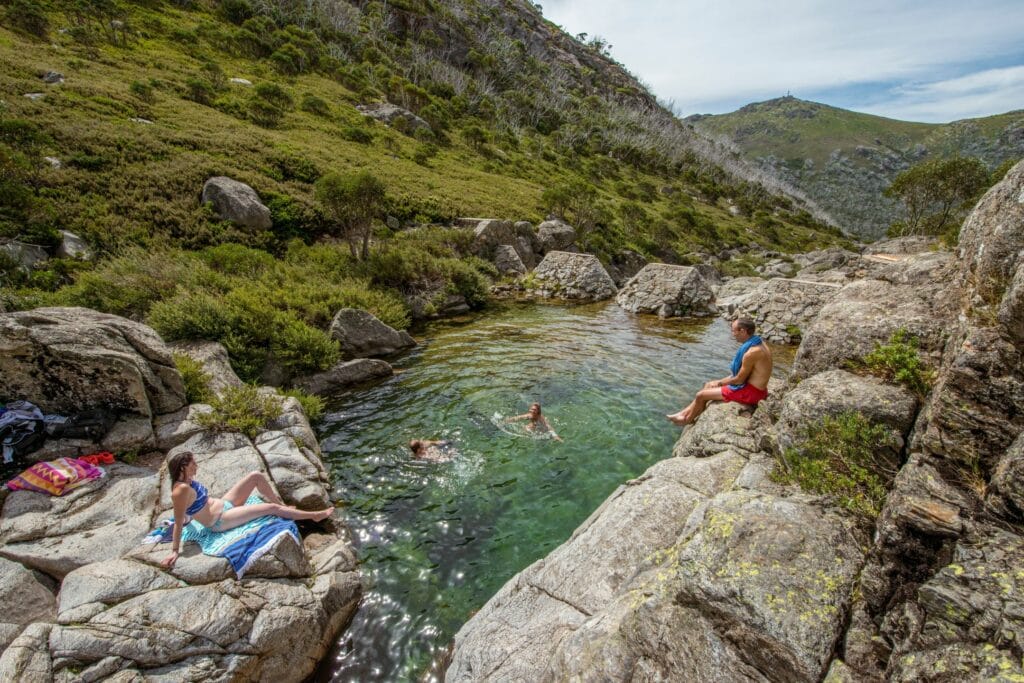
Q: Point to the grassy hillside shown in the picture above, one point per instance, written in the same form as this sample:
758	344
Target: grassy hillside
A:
843	159
523	120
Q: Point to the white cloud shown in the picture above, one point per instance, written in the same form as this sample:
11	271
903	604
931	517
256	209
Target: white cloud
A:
714	56
992	91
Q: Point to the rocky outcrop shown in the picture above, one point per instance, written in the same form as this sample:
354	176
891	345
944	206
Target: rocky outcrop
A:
488	234
555	235
345	374
689	572
70	359
564	275
782	308
85	601
236	202
868	312
668	291
361	334
391	114
27	256
625	264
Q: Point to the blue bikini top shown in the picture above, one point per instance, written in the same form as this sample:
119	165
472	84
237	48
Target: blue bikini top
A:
200	501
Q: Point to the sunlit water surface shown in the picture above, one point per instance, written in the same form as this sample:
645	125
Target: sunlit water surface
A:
437	540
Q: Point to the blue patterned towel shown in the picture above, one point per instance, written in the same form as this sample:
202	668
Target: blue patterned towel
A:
242	545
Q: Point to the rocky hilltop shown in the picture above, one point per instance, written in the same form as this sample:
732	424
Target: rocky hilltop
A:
706	568
843	160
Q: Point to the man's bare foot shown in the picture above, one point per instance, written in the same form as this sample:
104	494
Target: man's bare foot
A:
678	419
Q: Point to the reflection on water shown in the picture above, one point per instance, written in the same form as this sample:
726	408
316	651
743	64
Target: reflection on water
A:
438	539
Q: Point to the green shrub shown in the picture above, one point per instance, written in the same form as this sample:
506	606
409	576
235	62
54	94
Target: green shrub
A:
242	409
144	91
199	91
900	363
314	105
195	378
845	457
311	404
357	134
27	16
235	259
129	284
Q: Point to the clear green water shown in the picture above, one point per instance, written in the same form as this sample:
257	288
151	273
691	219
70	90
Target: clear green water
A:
437	540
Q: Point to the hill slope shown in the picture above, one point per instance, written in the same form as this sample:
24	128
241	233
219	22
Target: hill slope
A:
115	114
844	160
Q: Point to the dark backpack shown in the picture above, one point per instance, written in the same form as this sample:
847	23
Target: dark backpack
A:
90	424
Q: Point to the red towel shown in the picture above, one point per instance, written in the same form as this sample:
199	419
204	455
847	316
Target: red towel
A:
101	458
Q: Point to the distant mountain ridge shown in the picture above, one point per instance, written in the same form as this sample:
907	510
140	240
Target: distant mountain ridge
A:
843	160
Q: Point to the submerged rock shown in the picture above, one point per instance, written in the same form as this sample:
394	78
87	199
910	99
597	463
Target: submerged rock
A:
345	374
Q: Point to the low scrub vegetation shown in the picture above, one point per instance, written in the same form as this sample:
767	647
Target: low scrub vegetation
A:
195	379
899	362
244	409
845	457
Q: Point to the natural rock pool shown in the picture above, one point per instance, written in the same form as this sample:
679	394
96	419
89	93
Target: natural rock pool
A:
437	540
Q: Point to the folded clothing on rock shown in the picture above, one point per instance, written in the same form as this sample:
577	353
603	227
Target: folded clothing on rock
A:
56	477
242	545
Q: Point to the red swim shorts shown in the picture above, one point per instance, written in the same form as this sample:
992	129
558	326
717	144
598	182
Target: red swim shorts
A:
748	394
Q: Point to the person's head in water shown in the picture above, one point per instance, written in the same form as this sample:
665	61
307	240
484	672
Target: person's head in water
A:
417	446
534	411
742	329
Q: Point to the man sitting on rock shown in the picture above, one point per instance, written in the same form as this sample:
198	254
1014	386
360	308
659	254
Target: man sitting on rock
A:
748	383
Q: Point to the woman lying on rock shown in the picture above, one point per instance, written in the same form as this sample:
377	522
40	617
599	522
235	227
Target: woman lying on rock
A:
192	501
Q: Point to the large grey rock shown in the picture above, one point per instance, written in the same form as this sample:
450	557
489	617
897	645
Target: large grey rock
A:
99	521
294	422
361	334
555	235
977	404
69	359
625	264
27	657
835	392
214	359
27	256
236	202
782	309
73	247
752	587
26	596
507	260
722	428
868	312
730	294
345	374
176	428
388	113
489	234
572	276
667	291
296	478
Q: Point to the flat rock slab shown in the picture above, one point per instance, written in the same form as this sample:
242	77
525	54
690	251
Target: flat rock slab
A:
26	596
783	308
668	291
99	521
346	374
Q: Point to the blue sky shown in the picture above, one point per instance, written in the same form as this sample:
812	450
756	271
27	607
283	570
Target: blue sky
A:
913	60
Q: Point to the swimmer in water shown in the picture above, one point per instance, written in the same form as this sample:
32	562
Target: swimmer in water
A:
537	421
434	451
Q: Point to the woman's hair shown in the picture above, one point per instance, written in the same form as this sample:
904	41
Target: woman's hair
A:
177	462
415	445
535	405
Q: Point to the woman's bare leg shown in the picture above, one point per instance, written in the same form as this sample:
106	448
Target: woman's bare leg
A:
239	493
237	516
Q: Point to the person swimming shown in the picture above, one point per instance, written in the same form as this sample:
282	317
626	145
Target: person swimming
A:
434	451
536	421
